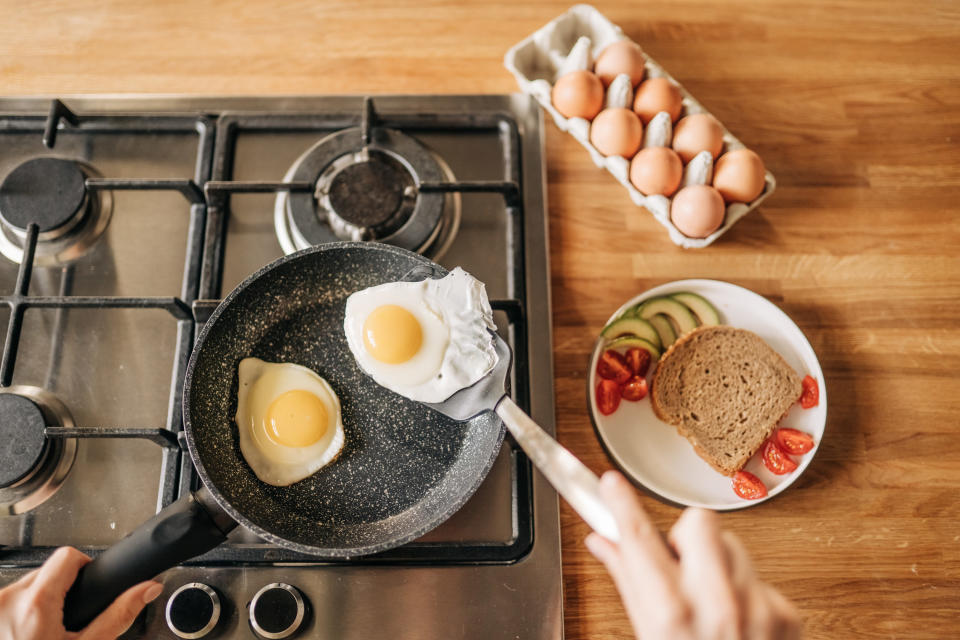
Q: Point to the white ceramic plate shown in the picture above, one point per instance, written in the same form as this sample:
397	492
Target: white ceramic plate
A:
655	456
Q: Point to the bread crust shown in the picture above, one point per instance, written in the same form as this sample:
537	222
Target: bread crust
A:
664	416
656	373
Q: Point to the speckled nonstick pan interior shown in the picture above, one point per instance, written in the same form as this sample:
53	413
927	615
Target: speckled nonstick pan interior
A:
404	469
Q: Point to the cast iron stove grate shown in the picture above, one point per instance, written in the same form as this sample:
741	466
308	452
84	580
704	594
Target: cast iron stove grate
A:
209	194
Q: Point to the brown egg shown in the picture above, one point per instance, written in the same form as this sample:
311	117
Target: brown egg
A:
656	171
739	175
623	56
578	94
697	210
696	133
656	95
616	132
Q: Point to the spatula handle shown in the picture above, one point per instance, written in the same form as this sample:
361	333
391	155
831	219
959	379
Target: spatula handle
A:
571	478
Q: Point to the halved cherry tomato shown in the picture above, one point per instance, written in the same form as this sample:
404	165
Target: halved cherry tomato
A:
635	389
748	486
793	441
608	396
776	459
811	393
613	366
638	360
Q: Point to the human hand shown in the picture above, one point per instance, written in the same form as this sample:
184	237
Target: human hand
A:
32	607
699	587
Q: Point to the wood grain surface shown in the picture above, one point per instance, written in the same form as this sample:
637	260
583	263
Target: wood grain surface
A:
854	106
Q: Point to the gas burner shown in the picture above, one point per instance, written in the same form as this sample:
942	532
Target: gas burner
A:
22	443
366	195
52	193
32	466
368	192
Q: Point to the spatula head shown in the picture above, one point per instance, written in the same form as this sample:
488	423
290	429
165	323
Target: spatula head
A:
484	394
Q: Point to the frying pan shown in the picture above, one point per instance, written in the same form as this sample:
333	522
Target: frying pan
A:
404	469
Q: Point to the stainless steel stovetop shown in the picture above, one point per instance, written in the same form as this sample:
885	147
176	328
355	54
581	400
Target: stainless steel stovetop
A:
173	202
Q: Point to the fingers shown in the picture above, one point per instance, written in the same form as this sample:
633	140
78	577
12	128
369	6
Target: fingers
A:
607	553
637	531
791	625
603	550
118	617
741	566
708	591
760	621
767	615
59	572
27	579
706	574
770	615
641	564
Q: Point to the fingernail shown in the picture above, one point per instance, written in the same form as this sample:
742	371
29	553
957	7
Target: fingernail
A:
609	478
152	592
590	542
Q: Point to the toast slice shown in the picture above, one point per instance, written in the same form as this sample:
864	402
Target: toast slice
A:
725	390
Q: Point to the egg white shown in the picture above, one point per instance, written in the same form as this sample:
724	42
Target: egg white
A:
456	321
435	334
259	384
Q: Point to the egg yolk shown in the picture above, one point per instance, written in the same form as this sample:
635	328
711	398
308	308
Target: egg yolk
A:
391	334
296	418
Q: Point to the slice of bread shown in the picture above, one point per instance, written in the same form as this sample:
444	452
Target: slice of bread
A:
725	390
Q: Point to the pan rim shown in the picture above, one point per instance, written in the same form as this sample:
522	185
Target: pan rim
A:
235	513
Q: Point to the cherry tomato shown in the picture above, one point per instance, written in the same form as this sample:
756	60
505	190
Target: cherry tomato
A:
635	389
776	459
608	396
811	393
793	441
638	360
613	366
748	486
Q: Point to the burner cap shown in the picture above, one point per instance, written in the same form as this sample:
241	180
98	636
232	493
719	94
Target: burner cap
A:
369	193
22	442
48	191
362	191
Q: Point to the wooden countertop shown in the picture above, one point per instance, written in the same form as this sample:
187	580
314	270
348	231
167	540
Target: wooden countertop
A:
854	106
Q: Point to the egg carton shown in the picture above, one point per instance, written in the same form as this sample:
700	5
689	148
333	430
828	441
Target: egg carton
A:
561	46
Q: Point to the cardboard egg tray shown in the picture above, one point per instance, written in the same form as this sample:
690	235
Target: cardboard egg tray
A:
539	59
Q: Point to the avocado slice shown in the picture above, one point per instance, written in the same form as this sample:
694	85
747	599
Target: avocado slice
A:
626	325
678	312
627	342
663	326
706	313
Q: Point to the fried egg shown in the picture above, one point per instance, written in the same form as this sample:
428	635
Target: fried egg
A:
289	421
424	340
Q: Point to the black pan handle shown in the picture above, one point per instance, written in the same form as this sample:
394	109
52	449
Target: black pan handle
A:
188	527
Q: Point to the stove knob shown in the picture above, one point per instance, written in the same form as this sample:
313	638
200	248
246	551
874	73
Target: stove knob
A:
193	610
277	611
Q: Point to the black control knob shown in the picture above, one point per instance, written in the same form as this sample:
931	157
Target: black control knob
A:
193	610
277	611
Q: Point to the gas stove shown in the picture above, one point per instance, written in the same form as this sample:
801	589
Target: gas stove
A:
124	220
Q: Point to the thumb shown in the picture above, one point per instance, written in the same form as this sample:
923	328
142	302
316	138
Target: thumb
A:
602	549
607	553
118	617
